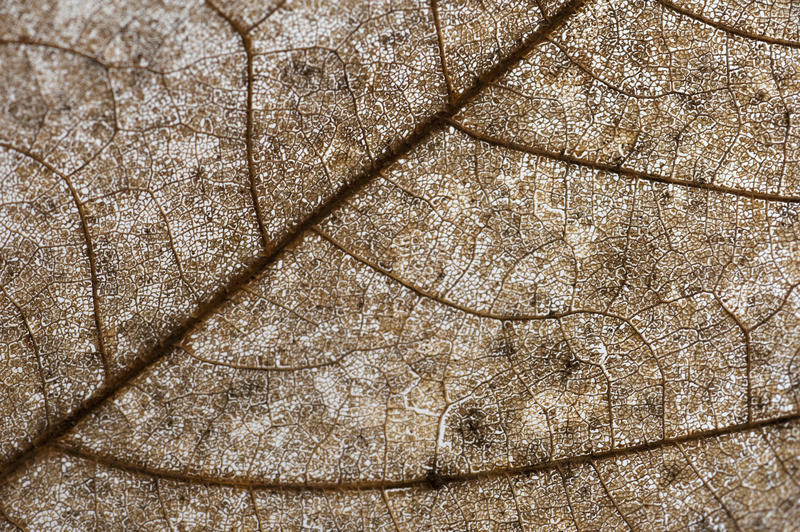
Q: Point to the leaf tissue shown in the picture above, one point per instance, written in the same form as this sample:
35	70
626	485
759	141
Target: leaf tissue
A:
400	265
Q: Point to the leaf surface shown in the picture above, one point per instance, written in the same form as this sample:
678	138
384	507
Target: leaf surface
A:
400	265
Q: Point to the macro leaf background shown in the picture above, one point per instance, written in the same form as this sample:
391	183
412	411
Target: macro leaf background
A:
400	265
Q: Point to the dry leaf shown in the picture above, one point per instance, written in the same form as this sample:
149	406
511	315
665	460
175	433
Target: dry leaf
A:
400	265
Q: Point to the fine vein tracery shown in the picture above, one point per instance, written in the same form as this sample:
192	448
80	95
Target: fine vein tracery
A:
297	263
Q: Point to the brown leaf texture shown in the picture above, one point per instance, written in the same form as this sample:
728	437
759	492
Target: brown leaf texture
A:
400	265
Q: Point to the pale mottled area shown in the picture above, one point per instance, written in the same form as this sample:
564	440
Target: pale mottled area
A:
45	303
400	265
657	92
776	19
140	110
335	85
475	32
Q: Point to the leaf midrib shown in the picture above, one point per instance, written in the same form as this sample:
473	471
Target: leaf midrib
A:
260	263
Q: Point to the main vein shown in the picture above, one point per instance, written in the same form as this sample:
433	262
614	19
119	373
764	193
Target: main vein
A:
392	154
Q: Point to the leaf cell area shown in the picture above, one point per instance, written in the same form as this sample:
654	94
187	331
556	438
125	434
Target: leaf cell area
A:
400	265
